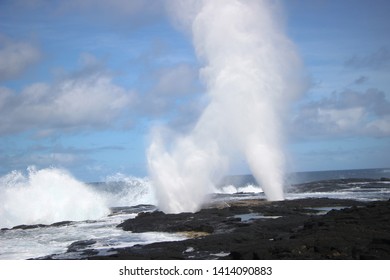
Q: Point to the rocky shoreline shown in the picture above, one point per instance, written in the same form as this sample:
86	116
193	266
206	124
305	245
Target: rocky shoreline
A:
310	228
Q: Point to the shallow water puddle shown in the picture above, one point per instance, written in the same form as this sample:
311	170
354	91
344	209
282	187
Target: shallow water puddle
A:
247	218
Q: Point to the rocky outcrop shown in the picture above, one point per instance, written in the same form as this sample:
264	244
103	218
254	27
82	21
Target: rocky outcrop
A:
254	229
309	228
24	227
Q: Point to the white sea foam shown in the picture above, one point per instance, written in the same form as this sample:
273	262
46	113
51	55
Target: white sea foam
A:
123	190
38	242
230	189
46	196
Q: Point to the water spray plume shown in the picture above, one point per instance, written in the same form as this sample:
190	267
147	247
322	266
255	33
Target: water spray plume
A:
46	196
251	72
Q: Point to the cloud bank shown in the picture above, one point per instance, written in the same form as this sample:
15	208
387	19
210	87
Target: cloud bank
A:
87	101
16	57
344	114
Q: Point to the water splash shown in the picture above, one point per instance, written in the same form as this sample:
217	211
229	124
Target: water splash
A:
251	72
121	190
231	189
46	196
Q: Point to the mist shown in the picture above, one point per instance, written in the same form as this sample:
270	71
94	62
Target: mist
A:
251	73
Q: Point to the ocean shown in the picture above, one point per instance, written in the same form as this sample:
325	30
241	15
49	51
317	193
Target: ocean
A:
128	196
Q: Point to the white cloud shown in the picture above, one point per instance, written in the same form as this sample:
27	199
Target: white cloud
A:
176	81
348	113
16	57
341	119
89	101
380	126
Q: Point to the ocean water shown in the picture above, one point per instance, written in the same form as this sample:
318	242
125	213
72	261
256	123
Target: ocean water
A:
124	197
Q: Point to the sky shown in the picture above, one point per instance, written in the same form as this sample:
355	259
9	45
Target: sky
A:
83	82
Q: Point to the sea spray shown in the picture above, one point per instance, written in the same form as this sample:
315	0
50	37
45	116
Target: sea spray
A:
251	73
120	190
46	196
184	176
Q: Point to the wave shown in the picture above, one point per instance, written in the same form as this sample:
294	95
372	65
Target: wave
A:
47	196
121	190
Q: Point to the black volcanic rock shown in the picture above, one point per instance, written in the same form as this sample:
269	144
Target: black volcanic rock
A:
207	220
257	229
80	245
158	221
24	227
29	226
287	230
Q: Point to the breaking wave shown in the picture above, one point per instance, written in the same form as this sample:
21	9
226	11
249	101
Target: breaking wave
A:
47	196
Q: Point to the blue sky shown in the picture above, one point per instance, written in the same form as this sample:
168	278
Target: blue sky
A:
83	81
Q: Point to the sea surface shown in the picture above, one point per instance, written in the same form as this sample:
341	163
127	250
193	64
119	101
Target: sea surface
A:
127	196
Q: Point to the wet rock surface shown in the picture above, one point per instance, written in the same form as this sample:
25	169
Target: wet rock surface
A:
256	229
24	227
